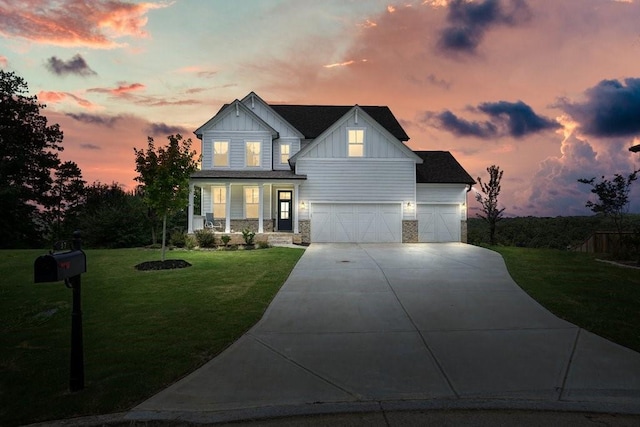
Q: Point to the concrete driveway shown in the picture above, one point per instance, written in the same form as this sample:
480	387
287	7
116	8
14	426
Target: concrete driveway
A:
403	326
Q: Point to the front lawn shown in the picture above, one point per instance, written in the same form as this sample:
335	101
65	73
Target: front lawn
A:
142	330
596	296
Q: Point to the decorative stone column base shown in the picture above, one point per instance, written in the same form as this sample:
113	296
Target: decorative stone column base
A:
463	231
410	231
304	227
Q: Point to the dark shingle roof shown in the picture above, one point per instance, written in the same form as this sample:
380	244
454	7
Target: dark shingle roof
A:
312	120
440	167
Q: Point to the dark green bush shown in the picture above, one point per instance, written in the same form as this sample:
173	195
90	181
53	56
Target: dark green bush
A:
205	238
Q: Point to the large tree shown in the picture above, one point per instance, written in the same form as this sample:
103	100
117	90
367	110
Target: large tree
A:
491	214
28	153
164	174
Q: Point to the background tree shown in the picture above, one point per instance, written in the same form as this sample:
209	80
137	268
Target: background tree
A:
66	198
613	202
164	174
110	217
489	200
613	196
28	153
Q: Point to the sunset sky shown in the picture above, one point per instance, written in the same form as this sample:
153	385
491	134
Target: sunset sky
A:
549	90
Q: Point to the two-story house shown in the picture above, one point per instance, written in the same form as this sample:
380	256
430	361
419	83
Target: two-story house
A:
325	173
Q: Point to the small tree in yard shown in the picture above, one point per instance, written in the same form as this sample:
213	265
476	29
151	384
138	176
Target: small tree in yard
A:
164	174
489	201
613	197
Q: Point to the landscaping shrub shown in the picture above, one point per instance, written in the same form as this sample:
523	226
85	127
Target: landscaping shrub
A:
225	238
178	238
263	245
248	236
205	238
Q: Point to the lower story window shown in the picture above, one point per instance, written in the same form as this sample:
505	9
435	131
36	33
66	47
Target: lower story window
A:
219	202
251	202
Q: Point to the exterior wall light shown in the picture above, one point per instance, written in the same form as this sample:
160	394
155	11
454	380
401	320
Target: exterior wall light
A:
303	205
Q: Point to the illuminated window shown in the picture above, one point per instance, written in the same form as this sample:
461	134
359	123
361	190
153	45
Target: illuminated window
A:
251	202
252	153
221	154
356	142
219	197
285	151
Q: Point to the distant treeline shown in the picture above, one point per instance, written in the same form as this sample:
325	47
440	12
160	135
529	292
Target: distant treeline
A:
561	232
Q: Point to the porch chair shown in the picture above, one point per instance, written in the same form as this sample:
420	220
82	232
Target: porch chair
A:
209	222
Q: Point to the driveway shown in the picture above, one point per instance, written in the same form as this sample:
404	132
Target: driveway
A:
403	326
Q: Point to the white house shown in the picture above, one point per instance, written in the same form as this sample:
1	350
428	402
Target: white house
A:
325	173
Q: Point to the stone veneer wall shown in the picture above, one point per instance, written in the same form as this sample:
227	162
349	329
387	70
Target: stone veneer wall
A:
304	227
463	232
410	231
252	224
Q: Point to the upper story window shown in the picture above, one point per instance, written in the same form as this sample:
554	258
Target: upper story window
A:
252	153
355	139
221	154
285	152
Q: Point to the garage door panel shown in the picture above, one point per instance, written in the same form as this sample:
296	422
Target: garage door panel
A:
357	223
438	223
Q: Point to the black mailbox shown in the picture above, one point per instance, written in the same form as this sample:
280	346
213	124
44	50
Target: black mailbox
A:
59	266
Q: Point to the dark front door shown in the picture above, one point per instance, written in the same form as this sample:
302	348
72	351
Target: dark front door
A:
285	221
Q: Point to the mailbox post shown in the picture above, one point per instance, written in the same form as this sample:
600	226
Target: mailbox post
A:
68	266
76	372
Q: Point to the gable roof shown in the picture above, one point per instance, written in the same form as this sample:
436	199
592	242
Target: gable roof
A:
440	167
312	120
228	109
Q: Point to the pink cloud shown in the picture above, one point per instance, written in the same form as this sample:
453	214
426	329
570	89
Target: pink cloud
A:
122	89
57	97
4	62
94	24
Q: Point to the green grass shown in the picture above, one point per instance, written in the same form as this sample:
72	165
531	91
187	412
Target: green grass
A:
142	330
596	296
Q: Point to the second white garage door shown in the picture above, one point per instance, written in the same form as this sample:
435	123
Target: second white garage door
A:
356	223
438	223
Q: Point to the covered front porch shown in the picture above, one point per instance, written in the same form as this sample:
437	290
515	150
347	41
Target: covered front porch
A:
231	201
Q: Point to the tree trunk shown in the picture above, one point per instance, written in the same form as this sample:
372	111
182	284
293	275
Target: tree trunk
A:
164	235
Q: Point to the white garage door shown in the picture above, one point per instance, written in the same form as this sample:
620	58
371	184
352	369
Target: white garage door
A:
438	223
356	223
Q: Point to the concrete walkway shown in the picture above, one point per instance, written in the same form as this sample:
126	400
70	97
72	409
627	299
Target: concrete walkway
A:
386	327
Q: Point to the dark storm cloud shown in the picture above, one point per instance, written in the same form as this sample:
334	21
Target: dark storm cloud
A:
163	129
518	117
514	119
95	119
469	21
448	121
76	65
612	109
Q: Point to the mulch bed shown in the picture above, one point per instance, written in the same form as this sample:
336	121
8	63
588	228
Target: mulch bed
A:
167	264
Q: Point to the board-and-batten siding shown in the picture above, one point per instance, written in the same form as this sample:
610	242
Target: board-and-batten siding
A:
376	142
271	118
236	148
356	180
441	193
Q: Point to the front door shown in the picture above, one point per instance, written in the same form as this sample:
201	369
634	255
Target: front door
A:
285	222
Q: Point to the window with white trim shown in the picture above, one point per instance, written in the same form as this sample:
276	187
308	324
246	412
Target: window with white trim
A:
219	198
252	153
221	154
251	202
355	140
285	152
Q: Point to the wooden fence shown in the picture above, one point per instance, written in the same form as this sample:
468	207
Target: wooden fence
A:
601	242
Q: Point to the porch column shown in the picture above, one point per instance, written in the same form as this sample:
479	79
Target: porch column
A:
190	209
296	203
227	214
260	209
